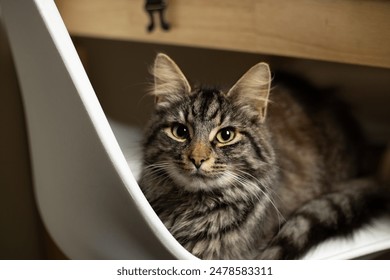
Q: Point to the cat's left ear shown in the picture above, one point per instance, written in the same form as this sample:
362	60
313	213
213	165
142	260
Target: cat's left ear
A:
169	82
253	88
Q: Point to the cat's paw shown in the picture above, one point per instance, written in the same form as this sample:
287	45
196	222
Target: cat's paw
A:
271	253
290	241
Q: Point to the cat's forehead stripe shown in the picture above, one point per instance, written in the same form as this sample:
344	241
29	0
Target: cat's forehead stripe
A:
206	105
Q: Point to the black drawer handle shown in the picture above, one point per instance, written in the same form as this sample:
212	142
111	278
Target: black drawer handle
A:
156	6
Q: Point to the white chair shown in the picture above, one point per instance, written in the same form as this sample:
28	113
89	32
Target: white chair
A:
87	195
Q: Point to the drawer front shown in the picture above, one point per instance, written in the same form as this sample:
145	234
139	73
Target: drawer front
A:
347	31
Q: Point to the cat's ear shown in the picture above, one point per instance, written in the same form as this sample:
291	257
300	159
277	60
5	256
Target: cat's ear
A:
169	82
253	88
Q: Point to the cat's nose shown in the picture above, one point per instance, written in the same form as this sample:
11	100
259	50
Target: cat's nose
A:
197	161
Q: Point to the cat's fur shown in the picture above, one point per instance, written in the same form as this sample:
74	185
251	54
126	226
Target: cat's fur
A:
287	180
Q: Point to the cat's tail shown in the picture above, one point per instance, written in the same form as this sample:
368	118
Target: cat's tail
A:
333	214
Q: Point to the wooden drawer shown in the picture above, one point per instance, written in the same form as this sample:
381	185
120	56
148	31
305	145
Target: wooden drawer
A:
350	31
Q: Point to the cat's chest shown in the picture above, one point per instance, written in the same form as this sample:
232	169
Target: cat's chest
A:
213	228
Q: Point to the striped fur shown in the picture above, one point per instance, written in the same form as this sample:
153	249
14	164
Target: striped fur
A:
231	182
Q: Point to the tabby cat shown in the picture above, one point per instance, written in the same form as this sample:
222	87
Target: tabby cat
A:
237	174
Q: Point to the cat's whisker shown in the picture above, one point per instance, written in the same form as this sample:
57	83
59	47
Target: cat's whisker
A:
243	181
157	170
269	189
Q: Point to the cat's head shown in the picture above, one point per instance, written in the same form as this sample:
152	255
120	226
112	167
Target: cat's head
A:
206	138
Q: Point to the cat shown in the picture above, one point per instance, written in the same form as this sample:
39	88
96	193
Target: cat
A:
248	174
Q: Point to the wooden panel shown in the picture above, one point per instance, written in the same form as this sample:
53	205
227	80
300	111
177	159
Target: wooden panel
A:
350	31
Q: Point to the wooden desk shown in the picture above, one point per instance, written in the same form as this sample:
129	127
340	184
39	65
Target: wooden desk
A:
348	31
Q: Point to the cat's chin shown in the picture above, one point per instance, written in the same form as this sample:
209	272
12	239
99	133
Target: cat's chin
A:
197	182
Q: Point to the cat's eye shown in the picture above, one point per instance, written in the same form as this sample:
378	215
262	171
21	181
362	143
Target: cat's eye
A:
180	131
225	135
